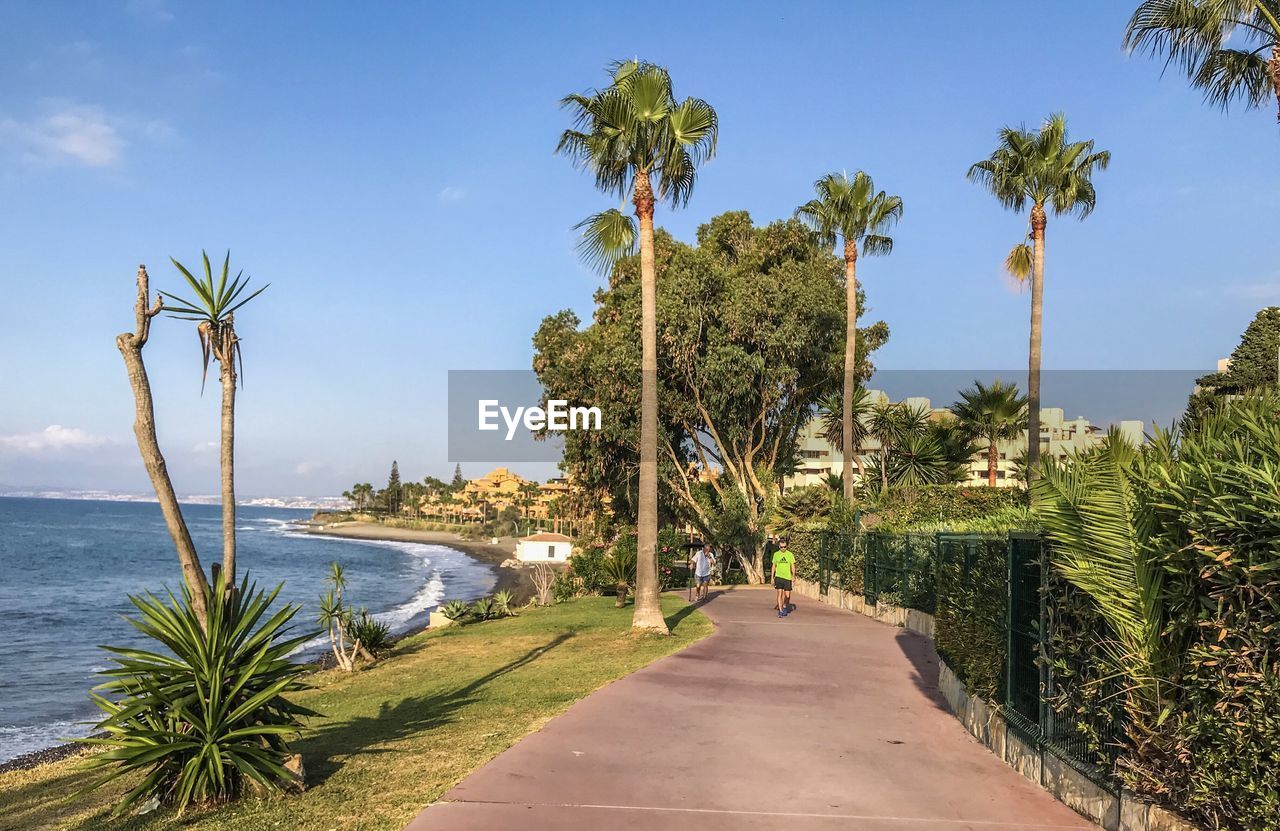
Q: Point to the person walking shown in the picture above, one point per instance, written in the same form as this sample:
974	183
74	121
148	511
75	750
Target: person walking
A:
702	564
783	573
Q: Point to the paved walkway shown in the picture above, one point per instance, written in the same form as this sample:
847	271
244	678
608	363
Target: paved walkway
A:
823	720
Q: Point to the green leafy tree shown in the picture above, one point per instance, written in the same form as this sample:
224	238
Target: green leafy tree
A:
213	310
1230	49
642	143
992	414
1045	170
852	210
1254	365
458	483
393	492
751	325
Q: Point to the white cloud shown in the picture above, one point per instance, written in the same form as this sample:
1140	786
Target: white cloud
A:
308	468
78	134
51	439
452	193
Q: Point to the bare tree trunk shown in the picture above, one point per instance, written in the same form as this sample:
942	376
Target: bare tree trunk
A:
1038	221
648	608
130	345
850	365
993	456
1273	67
228	374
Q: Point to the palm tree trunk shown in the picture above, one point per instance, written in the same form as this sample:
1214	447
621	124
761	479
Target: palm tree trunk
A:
993	457
1274	67
1038	222
144	429
850	364
228	375
648	609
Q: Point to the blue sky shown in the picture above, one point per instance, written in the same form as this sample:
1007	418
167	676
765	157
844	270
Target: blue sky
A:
389	170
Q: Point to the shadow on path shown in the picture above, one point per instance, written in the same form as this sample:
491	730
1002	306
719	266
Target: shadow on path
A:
924	665
333	742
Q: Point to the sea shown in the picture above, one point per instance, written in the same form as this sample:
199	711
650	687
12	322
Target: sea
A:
67	568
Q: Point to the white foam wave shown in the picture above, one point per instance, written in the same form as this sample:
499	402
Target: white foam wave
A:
16	740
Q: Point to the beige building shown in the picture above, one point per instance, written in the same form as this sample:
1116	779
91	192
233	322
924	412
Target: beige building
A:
1059	438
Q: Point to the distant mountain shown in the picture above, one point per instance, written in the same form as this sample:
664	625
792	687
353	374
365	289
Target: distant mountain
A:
310	502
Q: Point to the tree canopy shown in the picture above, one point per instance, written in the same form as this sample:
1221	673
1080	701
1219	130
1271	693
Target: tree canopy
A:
750	336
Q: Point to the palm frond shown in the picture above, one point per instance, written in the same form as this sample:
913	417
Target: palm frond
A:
606	238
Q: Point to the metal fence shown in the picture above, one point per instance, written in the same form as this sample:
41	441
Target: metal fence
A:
995	616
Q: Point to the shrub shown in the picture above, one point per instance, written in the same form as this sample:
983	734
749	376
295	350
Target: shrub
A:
620	570
455	610
208	714
370	633
586	564
944	507
563	588
502	604
483	609
972	601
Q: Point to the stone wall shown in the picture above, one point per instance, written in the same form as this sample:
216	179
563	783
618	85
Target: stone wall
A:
985	722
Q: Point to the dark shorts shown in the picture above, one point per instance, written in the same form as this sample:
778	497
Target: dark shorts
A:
704	580
782	583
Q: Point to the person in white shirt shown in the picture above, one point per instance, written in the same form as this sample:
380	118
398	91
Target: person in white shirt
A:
702	564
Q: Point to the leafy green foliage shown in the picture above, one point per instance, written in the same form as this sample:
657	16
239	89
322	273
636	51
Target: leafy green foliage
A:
483	609
1042	167
750	336
370	633
455	610
991	414
1194	36
502	603
1254	364
972	601
213	309
1203	510
206	715
850	207
804	507
942	507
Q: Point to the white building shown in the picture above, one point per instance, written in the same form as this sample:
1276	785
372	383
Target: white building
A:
544	548
1059	438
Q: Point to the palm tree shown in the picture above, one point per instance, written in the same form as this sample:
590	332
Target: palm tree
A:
640	143
1194	34
891	425
993	414
852	209
831	413
1046	170
214	309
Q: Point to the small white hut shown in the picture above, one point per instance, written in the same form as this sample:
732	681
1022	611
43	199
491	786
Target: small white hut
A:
544	548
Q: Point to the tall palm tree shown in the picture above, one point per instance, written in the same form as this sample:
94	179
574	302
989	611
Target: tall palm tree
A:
852	209
1194	34
831	414
213	309
993	414
1046	170
640	143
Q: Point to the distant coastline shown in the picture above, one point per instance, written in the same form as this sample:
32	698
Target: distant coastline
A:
513	580
309	503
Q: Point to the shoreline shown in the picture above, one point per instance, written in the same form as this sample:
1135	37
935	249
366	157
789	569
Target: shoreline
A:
493	555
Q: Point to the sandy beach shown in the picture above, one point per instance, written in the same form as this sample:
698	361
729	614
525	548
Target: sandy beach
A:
513	580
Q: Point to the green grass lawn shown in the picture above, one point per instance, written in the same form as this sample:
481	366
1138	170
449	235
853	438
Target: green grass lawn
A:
396	736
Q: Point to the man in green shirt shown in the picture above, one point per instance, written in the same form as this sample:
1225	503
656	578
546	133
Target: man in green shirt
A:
784	563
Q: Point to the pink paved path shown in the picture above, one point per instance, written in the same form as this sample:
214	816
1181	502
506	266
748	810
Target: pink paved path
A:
824	720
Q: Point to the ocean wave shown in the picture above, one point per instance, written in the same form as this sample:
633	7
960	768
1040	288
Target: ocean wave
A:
18	740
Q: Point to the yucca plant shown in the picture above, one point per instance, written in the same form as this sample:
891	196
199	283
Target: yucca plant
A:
619	568
373	635
213	309
502	602
208	714
483	608
455	610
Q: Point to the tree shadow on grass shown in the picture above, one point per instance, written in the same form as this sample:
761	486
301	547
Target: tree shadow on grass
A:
673	619
325	748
